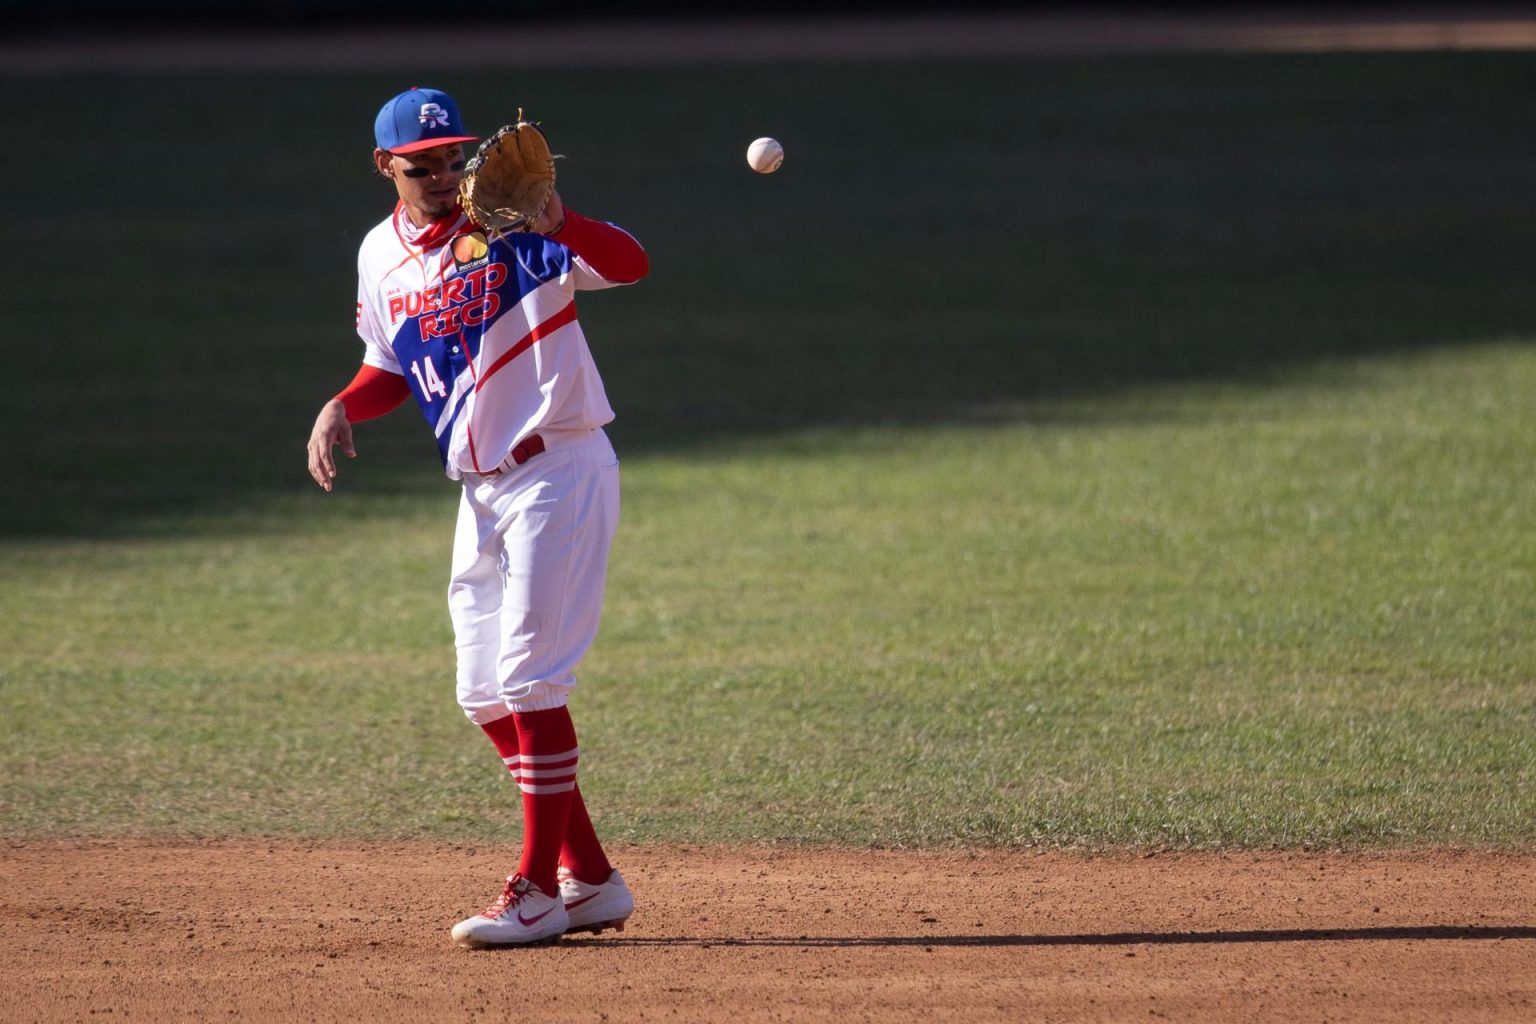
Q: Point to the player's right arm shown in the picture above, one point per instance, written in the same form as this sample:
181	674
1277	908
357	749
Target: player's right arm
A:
379	386
373	392
331	429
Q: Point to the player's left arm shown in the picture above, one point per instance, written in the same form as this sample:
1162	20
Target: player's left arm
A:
609	251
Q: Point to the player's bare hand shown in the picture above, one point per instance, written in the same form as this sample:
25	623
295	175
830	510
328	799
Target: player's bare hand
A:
331	430
553	216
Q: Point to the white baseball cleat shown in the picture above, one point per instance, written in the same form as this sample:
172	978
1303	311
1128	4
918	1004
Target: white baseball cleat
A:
594	908
522	915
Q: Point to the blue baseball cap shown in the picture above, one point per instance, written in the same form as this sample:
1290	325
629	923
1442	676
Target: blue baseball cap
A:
419	119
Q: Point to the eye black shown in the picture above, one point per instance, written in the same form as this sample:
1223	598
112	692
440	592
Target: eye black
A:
422	172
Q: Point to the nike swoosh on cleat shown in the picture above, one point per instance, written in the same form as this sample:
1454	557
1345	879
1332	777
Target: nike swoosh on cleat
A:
585	899
534	920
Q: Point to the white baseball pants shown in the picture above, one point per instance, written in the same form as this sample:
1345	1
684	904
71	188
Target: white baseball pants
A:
530	556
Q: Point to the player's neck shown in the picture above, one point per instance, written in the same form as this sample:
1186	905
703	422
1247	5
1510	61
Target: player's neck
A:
422	218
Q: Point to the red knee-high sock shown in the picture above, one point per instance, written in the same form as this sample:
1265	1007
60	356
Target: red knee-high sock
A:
545	770
503	733
582	853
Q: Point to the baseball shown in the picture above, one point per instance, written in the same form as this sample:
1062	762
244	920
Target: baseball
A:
765	155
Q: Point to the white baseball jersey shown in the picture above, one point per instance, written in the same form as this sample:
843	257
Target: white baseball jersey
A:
485	334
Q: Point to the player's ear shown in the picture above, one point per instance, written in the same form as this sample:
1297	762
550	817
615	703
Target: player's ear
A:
383	164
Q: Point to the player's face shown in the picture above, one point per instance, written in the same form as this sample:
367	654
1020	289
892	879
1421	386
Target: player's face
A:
428	180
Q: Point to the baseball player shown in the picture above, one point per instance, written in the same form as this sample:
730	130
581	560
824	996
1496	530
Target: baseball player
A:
482	333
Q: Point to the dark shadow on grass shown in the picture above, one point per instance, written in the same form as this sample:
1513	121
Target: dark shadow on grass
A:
1056	233
1407	933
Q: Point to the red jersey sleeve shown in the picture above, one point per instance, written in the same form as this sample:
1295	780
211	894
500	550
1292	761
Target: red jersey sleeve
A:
372	393
611	251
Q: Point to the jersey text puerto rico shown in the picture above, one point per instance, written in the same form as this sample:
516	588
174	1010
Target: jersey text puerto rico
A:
456	303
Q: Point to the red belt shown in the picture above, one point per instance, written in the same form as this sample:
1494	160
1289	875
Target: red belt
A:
527	448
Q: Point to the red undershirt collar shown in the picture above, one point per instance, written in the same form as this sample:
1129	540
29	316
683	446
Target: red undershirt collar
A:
433	235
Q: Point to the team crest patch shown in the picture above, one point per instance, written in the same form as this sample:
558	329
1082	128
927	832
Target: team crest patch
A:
433	116
470	251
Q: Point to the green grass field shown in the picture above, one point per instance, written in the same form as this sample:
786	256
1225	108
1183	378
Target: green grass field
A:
1090	452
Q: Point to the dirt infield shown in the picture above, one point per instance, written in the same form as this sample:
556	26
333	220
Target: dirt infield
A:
277	932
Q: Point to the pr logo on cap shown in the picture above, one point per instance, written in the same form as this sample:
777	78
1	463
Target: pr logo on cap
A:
432	114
